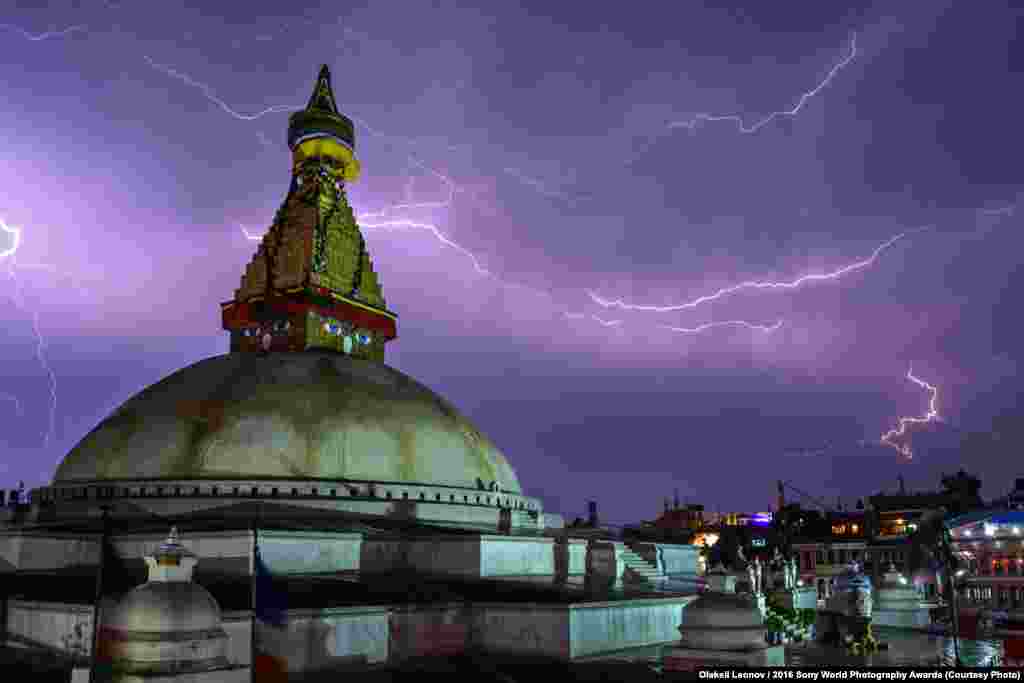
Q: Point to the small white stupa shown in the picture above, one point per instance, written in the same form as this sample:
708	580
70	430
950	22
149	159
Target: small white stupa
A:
898	604
168	626
722	628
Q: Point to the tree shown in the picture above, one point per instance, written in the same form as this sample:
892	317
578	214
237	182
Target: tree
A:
963	490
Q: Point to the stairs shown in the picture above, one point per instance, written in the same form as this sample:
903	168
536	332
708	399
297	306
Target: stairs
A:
639	570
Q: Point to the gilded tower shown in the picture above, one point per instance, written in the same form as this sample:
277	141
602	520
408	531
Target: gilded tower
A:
311	283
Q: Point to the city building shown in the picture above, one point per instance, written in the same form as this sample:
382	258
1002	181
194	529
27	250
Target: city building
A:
990	546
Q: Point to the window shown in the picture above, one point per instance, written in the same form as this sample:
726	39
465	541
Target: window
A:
216	490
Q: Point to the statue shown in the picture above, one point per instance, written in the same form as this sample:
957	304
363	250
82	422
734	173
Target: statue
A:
790	574
758	573
752	577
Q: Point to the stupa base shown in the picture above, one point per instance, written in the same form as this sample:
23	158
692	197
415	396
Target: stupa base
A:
687	659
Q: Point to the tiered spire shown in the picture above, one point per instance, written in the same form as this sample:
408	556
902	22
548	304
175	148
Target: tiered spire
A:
311	283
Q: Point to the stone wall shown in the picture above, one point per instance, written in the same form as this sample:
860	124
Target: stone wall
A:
673	560
58	627
469	556
27	550
322	639
595	628
510	556
305	552
429	630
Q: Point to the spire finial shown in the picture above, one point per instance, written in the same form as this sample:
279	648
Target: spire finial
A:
323	94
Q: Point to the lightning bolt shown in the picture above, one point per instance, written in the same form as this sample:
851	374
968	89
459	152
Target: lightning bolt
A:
36	37
901	431
10	255
385	218
768	329
755	284
692	123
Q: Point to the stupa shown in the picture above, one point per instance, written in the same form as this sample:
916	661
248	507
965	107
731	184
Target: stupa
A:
898	604
722	628
169	626
311	284
393	527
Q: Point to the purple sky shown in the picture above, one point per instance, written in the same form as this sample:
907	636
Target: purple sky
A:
567	152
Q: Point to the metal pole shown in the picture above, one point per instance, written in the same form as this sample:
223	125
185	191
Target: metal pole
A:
252	584
947	556
99	594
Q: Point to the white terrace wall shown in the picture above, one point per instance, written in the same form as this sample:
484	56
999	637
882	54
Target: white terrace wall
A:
25	550
54	626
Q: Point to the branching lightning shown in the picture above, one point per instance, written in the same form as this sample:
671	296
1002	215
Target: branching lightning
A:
36	37
386	219
696	120
900	432
9	255
755	284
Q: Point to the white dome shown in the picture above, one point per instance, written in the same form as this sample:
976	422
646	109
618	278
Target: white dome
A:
165	627
166	607
309	415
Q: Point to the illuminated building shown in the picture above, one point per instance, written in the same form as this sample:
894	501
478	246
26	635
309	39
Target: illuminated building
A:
990	545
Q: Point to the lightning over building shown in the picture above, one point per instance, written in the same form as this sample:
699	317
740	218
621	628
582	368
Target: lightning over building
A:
698	119
9	255
893	436
755	284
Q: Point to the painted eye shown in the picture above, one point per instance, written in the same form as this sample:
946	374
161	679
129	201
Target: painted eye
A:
364	339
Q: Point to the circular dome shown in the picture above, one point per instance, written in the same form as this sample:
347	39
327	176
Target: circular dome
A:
303	415
166	627
165	607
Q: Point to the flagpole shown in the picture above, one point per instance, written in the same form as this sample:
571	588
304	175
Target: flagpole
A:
98	595
252	588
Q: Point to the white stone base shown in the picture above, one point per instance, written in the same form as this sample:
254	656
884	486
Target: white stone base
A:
686	659
907	618
240	674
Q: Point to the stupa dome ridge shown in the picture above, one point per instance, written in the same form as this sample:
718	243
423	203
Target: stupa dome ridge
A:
308	415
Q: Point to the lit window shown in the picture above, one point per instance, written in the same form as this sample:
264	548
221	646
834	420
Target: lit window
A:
990	530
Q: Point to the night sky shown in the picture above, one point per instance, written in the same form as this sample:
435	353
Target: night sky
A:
521	164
